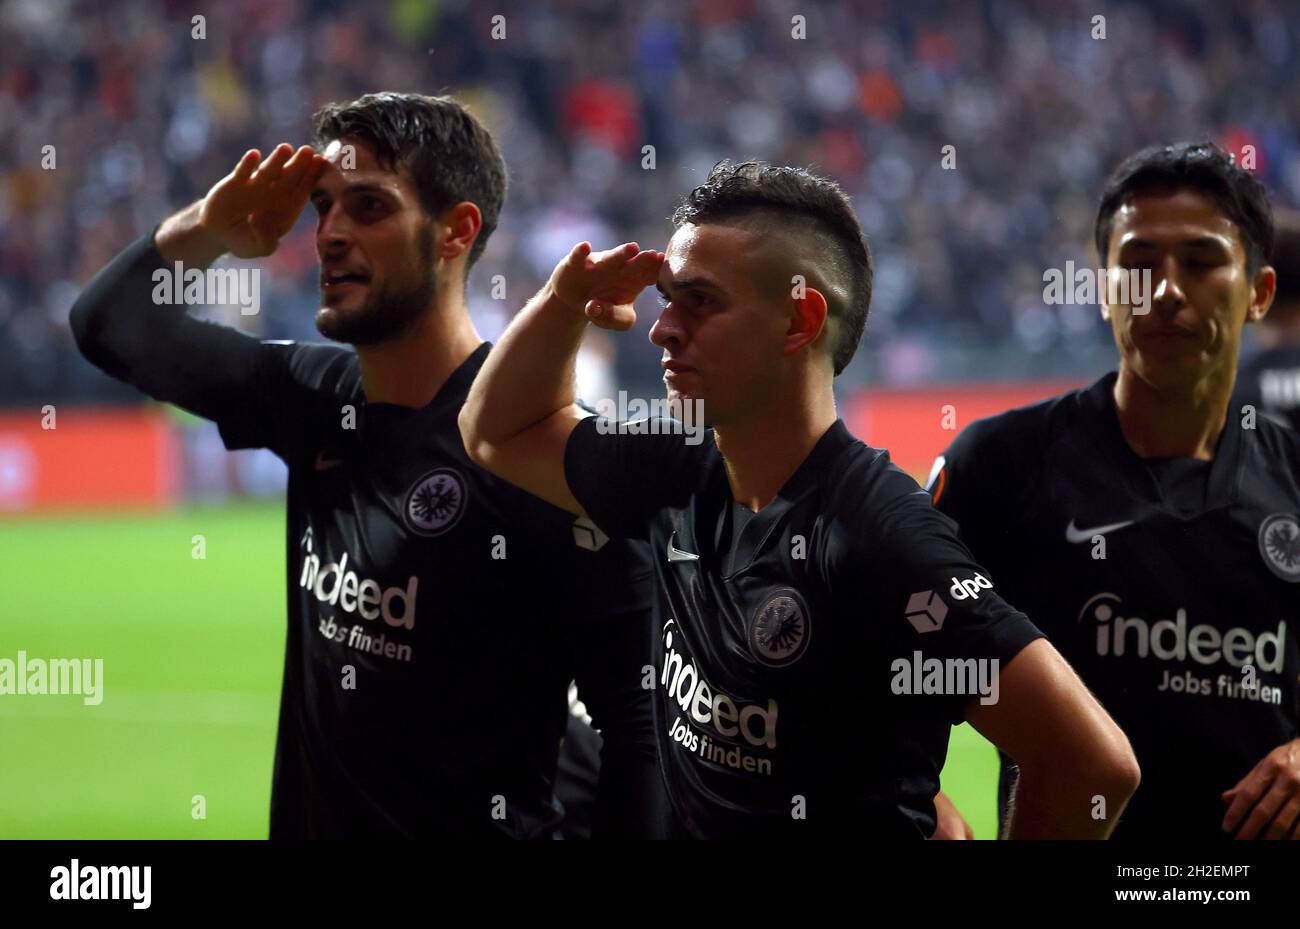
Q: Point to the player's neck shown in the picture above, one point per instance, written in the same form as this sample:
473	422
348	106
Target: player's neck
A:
763	452
411	370
1173	423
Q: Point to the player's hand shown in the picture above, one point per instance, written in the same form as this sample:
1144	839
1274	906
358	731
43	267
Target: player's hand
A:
252	207
951	824
1266	802
603	284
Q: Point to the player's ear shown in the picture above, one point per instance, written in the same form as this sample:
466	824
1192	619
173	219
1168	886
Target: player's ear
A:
459	226
1264	287
807	319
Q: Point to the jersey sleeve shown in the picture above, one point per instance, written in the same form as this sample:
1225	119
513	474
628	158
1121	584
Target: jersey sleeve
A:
241	383
934	597
623	478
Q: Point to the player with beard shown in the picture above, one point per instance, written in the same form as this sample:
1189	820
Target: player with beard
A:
802	581
1151	529
436	613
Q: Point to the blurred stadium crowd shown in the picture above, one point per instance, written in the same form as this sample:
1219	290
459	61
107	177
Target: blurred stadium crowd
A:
144	118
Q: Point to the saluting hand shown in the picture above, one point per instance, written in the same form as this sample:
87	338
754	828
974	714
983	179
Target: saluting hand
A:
250	209
604	284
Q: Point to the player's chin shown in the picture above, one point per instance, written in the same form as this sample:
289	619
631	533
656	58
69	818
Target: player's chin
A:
338	320
678	390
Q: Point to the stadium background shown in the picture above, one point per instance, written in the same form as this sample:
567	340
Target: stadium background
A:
98	516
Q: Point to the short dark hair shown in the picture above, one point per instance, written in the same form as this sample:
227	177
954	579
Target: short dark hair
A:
450	155
1200	166
735	190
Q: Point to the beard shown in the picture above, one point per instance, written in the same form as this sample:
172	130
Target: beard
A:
390	310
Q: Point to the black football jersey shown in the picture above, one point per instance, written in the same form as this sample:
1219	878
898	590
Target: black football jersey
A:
436	614
792	691
1171	585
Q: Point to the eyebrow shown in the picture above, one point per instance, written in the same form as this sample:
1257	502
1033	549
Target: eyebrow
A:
689	283
362	187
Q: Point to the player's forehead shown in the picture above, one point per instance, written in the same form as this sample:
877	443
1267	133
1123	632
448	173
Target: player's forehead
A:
710	254
353	165
1164	219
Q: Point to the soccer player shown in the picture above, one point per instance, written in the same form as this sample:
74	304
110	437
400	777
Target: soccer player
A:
1152	531
803	583
436	613
1270	379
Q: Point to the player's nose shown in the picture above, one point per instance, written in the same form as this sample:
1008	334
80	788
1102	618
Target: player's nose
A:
1168	293
333	232
666	331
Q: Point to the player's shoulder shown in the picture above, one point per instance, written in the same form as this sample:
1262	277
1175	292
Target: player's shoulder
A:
1277	439
863	485
1012	443
1024	425
320	368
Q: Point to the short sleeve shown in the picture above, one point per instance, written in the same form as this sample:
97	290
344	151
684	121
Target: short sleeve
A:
937	599
623	478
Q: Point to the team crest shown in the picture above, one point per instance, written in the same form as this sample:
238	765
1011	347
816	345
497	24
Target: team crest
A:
1279	544
779	632
435	503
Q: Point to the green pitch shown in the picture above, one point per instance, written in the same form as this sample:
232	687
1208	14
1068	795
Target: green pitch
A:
192	651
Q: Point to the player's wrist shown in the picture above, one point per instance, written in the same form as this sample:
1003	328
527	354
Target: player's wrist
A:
558	304
185	237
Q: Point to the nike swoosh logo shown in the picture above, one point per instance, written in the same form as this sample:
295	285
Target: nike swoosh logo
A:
676	554
1074	535
324	464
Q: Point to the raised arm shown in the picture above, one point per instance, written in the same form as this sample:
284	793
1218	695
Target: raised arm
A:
161	349
520	412
1077	770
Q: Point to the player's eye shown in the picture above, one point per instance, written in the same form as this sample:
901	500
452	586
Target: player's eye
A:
662	300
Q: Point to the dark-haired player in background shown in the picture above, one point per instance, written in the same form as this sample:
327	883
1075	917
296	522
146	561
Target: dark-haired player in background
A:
794	565
1269	380
436	613
1153	532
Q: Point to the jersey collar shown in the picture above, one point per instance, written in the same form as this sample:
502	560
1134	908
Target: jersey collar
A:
451	394
806	478
1099	401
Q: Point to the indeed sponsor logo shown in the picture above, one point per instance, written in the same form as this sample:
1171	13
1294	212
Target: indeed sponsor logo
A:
334	583
709	707
1172	640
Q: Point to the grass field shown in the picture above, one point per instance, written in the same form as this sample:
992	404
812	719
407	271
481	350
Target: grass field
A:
192	654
